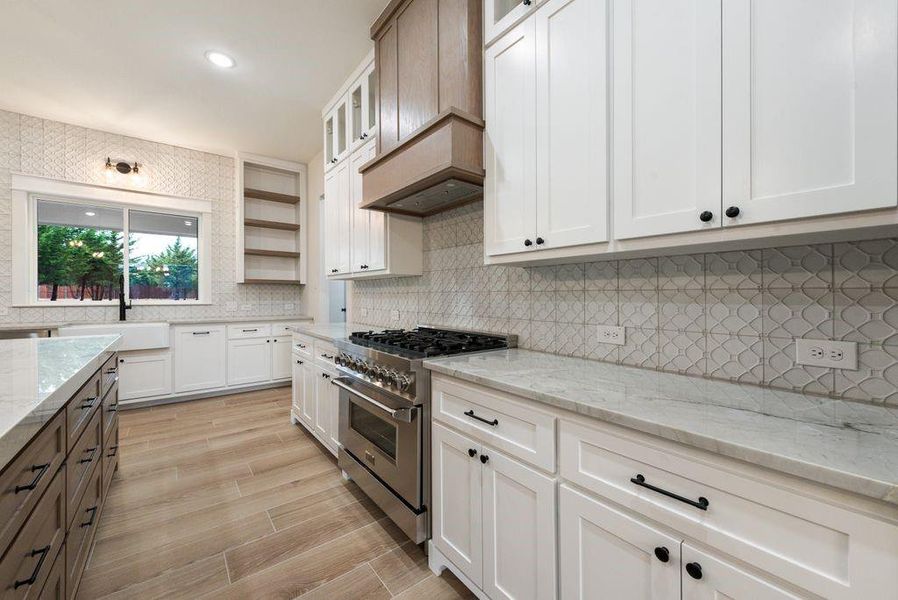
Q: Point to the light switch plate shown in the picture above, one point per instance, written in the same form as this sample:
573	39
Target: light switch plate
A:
610	334
825	353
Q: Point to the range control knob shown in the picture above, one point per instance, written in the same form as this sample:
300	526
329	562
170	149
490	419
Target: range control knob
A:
403	382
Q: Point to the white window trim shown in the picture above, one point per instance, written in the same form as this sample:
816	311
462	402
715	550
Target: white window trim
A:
26	189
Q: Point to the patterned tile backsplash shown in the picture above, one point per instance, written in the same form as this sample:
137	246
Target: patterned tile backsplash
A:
727	315
50	149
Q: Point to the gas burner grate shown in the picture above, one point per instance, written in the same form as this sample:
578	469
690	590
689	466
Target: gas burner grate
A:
425	341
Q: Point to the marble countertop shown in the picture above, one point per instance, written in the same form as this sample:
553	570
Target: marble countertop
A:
40	375
11	327
330	332
846	445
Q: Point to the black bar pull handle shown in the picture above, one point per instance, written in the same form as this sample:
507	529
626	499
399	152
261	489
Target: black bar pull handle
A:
470	413
91	457
93	513
39	471
701	504
37	568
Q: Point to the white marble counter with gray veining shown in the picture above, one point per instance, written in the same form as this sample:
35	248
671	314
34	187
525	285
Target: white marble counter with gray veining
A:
13	327
39	376
329	332
847	445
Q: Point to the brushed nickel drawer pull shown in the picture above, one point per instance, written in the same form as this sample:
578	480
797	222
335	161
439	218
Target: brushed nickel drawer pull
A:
37	568
93	513
40	469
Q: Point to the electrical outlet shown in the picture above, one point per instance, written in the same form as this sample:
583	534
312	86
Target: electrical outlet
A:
610	334
289	306
394	314
824	353
364	313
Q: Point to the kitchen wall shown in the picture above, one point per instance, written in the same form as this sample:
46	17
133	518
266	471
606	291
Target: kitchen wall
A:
39	147
729	315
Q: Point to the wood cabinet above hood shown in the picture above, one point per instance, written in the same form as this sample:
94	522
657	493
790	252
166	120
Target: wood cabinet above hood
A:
428	57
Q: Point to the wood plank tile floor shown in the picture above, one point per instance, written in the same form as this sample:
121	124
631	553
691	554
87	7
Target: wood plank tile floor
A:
225	498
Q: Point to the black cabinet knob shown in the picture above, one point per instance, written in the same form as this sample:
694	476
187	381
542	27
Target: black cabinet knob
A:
662	554
540	241
484	458
472	453
527	2
706	216
732	212
694	569
528	243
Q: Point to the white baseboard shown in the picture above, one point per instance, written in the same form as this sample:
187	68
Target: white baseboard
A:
173	399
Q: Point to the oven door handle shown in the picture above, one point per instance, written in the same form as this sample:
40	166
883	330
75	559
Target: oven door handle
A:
401	414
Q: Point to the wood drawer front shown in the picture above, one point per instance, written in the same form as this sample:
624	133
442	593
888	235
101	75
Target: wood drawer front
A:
54	587
29	559
110	454
81	408
83	461
108	374
817	546
519	430
325	352
249	330
26	478
81	531
110	407
303	345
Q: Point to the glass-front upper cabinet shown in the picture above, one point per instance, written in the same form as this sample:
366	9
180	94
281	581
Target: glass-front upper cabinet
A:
329	141
499	15
336	133
363	108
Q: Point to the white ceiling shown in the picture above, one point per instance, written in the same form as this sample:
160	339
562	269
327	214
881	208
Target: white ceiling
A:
137	68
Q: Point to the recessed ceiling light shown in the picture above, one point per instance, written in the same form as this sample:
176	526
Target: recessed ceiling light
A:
90	213
220	59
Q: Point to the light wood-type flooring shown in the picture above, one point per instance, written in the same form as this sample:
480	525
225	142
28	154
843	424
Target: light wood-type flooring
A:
225	498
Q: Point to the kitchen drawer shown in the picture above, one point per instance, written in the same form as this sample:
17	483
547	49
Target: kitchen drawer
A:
25	567
497	419
110	454
303	345
54	587
83	461
282	328
108	374
110	406
325	352
81	531
81	408
249	330
818	546
26	478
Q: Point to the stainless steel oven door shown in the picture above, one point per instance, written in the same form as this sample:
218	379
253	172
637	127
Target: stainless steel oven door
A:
384	434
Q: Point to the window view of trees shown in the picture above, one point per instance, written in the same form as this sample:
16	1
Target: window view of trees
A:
80	254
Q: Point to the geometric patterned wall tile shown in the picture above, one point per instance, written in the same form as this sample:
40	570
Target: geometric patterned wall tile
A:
638	274
685	272
601	307
569	339
601	275
733	270
734	312
682	352
640	348
735	358
681	310
798	313
594	349
866	315
798	266
876	379
866	264
569	307
780	370
569	277
639	308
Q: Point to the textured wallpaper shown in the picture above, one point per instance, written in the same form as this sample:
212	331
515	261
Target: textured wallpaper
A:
730	315
39	147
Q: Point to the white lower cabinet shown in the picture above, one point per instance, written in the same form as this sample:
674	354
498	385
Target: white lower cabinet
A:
200	358
144	373
298	385
249	361
308	412
706	577
605	553
494	518
316	401
280	357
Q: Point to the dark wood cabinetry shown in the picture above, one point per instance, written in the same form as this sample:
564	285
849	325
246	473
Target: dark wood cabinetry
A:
52	493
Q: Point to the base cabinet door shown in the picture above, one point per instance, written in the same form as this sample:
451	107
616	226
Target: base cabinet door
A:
144	374
308	410
299	386
518	530
457	519
333	431
323	416
608	554
706	577
280	357
200	358
249	361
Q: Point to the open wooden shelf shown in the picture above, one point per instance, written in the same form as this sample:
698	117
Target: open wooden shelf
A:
271	224
276	281
271	196
278	253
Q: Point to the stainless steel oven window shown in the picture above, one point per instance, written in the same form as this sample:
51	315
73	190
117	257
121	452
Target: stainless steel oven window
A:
374	429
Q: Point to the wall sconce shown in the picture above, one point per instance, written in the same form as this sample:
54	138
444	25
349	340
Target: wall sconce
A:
123	168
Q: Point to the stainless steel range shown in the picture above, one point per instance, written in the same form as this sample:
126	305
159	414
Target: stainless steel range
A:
384	425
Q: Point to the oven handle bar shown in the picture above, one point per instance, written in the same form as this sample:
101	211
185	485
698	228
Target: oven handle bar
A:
402	414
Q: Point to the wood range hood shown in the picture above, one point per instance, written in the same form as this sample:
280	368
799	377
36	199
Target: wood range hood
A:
428	58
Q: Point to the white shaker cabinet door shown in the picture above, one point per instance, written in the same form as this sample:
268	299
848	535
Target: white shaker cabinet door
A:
280	357
322	404
510	142
309	412
810	113
608	554
571	123
666	149
457	508
337	220
298	389
200	356
708	578
144	373
359	216
518	530
249	361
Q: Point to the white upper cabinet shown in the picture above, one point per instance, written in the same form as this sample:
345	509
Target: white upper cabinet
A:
499	15
510	141
336	133
363	108
546	139
810	110
571	123
666	118
368	250
336	216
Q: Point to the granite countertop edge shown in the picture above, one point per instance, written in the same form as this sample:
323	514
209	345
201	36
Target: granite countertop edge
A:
853	482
